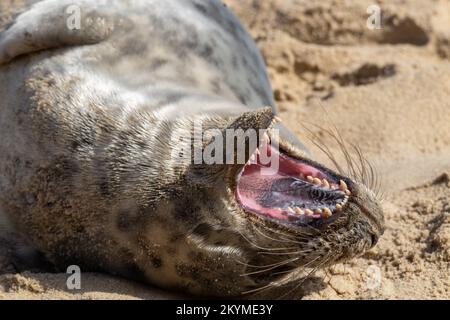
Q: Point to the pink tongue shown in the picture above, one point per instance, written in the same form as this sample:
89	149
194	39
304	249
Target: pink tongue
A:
252	184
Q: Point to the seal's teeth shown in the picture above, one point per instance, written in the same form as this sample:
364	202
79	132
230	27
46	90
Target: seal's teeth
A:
299	211
317	181
309	212
325	183
318	211
266	137
252	158
290	210
327	212
342	185
310	179
348	193
338	207
257	152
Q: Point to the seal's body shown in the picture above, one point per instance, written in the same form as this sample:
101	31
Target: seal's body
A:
91	115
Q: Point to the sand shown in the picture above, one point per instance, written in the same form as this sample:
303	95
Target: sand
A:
386	90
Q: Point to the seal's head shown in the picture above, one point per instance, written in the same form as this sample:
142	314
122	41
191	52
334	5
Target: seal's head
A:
272	219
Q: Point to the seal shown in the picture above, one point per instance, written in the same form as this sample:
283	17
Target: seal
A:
96	115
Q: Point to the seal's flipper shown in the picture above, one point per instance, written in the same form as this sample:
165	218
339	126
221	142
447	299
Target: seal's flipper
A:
53	24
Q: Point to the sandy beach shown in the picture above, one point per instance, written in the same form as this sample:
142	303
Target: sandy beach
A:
385	90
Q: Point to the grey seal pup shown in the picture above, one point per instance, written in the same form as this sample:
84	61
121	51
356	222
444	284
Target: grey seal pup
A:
93	114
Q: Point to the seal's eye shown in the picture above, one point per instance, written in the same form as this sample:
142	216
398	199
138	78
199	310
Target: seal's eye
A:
298	192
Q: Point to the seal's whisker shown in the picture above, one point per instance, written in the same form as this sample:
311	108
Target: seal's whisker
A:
362	171
369	175
274	284
279	264
260	266
314	270
270	238
374	183
260	289
346	153
335	134
360	166
284	253
348	159
303	267
262	248
325	150
281	272
299	234
283	236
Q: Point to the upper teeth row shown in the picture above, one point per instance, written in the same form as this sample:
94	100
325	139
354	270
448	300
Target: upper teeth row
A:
327	185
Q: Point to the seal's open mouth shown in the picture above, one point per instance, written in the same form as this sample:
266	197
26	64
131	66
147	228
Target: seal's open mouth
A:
298	192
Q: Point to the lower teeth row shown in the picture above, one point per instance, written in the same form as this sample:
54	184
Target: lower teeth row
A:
323	212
